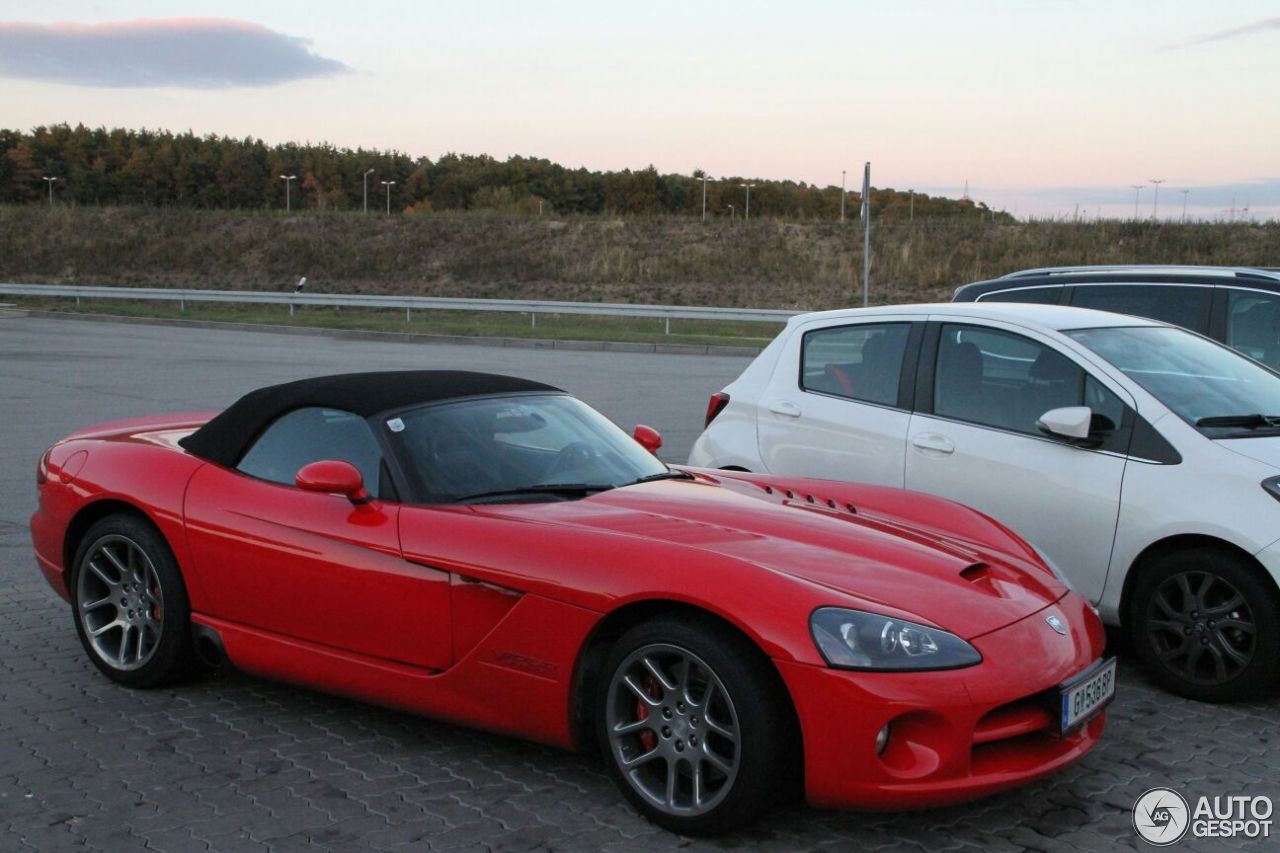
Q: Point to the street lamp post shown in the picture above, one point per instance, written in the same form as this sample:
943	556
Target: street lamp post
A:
705	178
1184	204
865	214
1137	191
732	213
50	181
388	185
842	194
367	173
1155	205
746	214
288	196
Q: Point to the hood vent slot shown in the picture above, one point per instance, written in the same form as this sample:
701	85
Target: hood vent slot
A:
815	500
975	573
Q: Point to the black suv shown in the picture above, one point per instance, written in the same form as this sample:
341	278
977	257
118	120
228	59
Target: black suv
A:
1239	306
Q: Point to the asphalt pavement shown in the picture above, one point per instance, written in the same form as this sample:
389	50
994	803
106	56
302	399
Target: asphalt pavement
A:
231	762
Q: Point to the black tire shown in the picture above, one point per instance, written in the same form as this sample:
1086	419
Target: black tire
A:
747	697
144	615
1206	624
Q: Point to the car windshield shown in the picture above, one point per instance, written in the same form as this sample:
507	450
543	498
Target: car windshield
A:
1208	385
526	448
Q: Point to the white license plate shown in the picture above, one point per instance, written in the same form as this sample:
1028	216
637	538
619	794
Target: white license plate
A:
1085	696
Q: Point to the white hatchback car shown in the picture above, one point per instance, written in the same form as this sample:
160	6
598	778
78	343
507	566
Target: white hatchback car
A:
1140	458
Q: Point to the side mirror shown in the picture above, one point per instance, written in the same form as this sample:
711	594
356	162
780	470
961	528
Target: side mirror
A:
1068	422
648	438
333	477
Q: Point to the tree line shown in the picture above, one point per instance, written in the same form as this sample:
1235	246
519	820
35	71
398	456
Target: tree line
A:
100	166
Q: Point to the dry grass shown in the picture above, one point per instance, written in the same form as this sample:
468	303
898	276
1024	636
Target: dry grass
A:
765	263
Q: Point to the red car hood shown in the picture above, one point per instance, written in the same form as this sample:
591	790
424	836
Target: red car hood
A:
887	564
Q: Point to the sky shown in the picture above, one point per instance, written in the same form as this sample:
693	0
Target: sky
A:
1039	105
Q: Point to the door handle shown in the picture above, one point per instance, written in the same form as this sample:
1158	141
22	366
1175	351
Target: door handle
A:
786	408
933	443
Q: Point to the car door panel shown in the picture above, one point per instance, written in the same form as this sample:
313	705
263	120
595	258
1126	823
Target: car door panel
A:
315	567
836	439
1064	499
812	425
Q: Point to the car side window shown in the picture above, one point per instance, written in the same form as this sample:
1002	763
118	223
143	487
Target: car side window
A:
1253	325
861	362
1182	305
999	379
308	435
1104	402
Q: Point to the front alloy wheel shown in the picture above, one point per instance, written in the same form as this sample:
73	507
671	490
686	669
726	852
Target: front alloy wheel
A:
673	729
1205	625
695	726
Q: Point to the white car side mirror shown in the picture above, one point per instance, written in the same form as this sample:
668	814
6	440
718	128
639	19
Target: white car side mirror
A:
1068	421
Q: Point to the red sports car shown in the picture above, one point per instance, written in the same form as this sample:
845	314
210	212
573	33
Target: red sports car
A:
494	552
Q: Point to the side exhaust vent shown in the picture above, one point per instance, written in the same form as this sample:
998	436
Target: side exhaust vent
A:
208	646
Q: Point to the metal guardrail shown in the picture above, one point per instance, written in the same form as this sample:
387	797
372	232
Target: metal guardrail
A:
408	304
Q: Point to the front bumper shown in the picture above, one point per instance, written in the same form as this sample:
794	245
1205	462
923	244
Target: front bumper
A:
955	735
46	540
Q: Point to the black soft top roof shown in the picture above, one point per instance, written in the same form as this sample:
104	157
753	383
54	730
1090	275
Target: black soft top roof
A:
226	437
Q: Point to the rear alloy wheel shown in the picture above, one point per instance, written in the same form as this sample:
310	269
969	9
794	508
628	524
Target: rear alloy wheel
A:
1204	623
693	729
130	603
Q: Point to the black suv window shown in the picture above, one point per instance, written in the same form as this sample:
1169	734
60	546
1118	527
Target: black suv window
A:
862	362
309	435
1253	325
1182	305
999	379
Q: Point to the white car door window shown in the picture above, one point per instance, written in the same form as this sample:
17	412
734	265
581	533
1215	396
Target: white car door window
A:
980	446
998	379
861	362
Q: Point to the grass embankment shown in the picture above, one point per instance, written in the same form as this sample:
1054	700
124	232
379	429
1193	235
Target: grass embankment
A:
764	263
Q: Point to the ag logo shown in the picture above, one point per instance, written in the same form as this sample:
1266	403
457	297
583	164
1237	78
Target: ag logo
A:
1161	817
1057	624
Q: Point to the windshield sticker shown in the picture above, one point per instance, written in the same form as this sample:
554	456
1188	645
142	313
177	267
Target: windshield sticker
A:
395	425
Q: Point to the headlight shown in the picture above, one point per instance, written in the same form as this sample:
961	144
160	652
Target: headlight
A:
854	639
1272	487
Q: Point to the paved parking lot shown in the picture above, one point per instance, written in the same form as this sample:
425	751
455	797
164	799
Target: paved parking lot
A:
233	763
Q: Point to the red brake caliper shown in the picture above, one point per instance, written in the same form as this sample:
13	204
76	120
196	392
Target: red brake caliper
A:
648	739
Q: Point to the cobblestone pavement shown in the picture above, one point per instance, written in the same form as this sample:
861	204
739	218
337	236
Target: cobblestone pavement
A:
229	762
